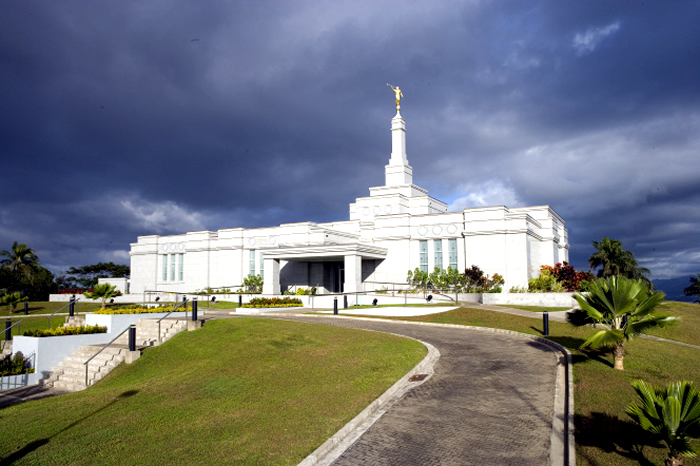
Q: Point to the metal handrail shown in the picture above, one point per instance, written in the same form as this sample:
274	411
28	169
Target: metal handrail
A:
16	323
184	302
101	349
67	305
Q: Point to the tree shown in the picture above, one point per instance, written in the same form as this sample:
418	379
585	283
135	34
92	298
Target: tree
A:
694	288
20	259
614	260
624	308
418	279
11	300
253	283
103	292
671	415
85	277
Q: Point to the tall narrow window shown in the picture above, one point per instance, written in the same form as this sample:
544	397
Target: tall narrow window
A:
164	258
452	253
181	267
172	267
252	262
437	246
262	266
423	248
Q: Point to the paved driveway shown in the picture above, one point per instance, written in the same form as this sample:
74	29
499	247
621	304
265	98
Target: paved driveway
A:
490	401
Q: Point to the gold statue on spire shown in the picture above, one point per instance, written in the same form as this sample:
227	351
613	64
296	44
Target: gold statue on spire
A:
398	93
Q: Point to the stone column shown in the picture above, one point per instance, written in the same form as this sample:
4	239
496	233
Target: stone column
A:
271	280
353	273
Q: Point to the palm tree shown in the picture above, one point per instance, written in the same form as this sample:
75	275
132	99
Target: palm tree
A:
20	259
103	292
671	416
11	300
613	260
624	308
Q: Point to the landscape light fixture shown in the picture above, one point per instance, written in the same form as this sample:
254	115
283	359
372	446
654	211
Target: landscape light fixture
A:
213	298
157	298
374	302
429	298
111	301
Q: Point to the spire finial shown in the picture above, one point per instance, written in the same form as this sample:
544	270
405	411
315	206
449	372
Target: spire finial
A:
399	94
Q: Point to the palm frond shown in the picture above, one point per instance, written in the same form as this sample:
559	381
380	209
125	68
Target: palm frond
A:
604	338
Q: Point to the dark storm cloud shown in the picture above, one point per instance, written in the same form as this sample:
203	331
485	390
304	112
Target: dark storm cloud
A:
131	118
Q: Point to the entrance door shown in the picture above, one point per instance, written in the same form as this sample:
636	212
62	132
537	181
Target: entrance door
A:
341	279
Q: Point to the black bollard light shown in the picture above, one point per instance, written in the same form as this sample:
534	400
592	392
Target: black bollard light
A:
132	337
26	308
345	301
8	324
71	307
335	305
240	300
545	323
194	309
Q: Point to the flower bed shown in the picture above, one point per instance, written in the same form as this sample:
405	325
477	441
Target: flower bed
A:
274	302
137	310
60	331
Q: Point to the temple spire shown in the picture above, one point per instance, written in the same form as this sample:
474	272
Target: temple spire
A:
398	172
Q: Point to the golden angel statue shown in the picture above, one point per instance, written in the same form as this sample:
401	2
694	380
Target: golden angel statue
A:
397	92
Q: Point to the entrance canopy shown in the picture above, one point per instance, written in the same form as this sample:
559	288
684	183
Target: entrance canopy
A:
325	252
350	255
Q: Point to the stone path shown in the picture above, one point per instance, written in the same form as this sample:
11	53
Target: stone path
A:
490	401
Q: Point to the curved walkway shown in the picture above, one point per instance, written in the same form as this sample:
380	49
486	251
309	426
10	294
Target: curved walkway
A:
489	401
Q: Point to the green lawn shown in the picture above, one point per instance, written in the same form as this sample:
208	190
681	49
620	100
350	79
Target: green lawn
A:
240	391
535	308
31	323
216	305
688	330
46	307
604	433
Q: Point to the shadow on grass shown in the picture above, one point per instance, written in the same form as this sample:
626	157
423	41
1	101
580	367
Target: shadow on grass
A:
36	444
581	355
613	435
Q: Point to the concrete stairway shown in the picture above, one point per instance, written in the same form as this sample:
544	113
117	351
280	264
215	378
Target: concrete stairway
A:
70	373
147	331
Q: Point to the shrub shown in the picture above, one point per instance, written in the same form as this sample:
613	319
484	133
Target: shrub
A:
60	331
15	366
545	283
567	276
273	302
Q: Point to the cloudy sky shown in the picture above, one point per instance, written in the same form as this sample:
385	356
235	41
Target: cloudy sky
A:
120	119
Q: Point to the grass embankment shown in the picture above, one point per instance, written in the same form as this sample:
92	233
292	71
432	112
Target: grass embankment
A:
535	308
605	435
242	391
46	307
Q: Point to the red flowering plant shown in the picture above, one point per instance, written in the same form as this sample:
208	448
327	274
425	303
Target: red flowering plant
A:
567	275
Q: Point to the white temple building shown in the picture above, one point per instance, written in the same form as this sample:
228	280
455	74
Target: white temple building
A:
397	228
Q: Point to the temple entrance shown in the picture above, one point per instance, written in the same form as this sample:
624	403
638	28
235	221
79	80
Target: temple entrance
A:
340	286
